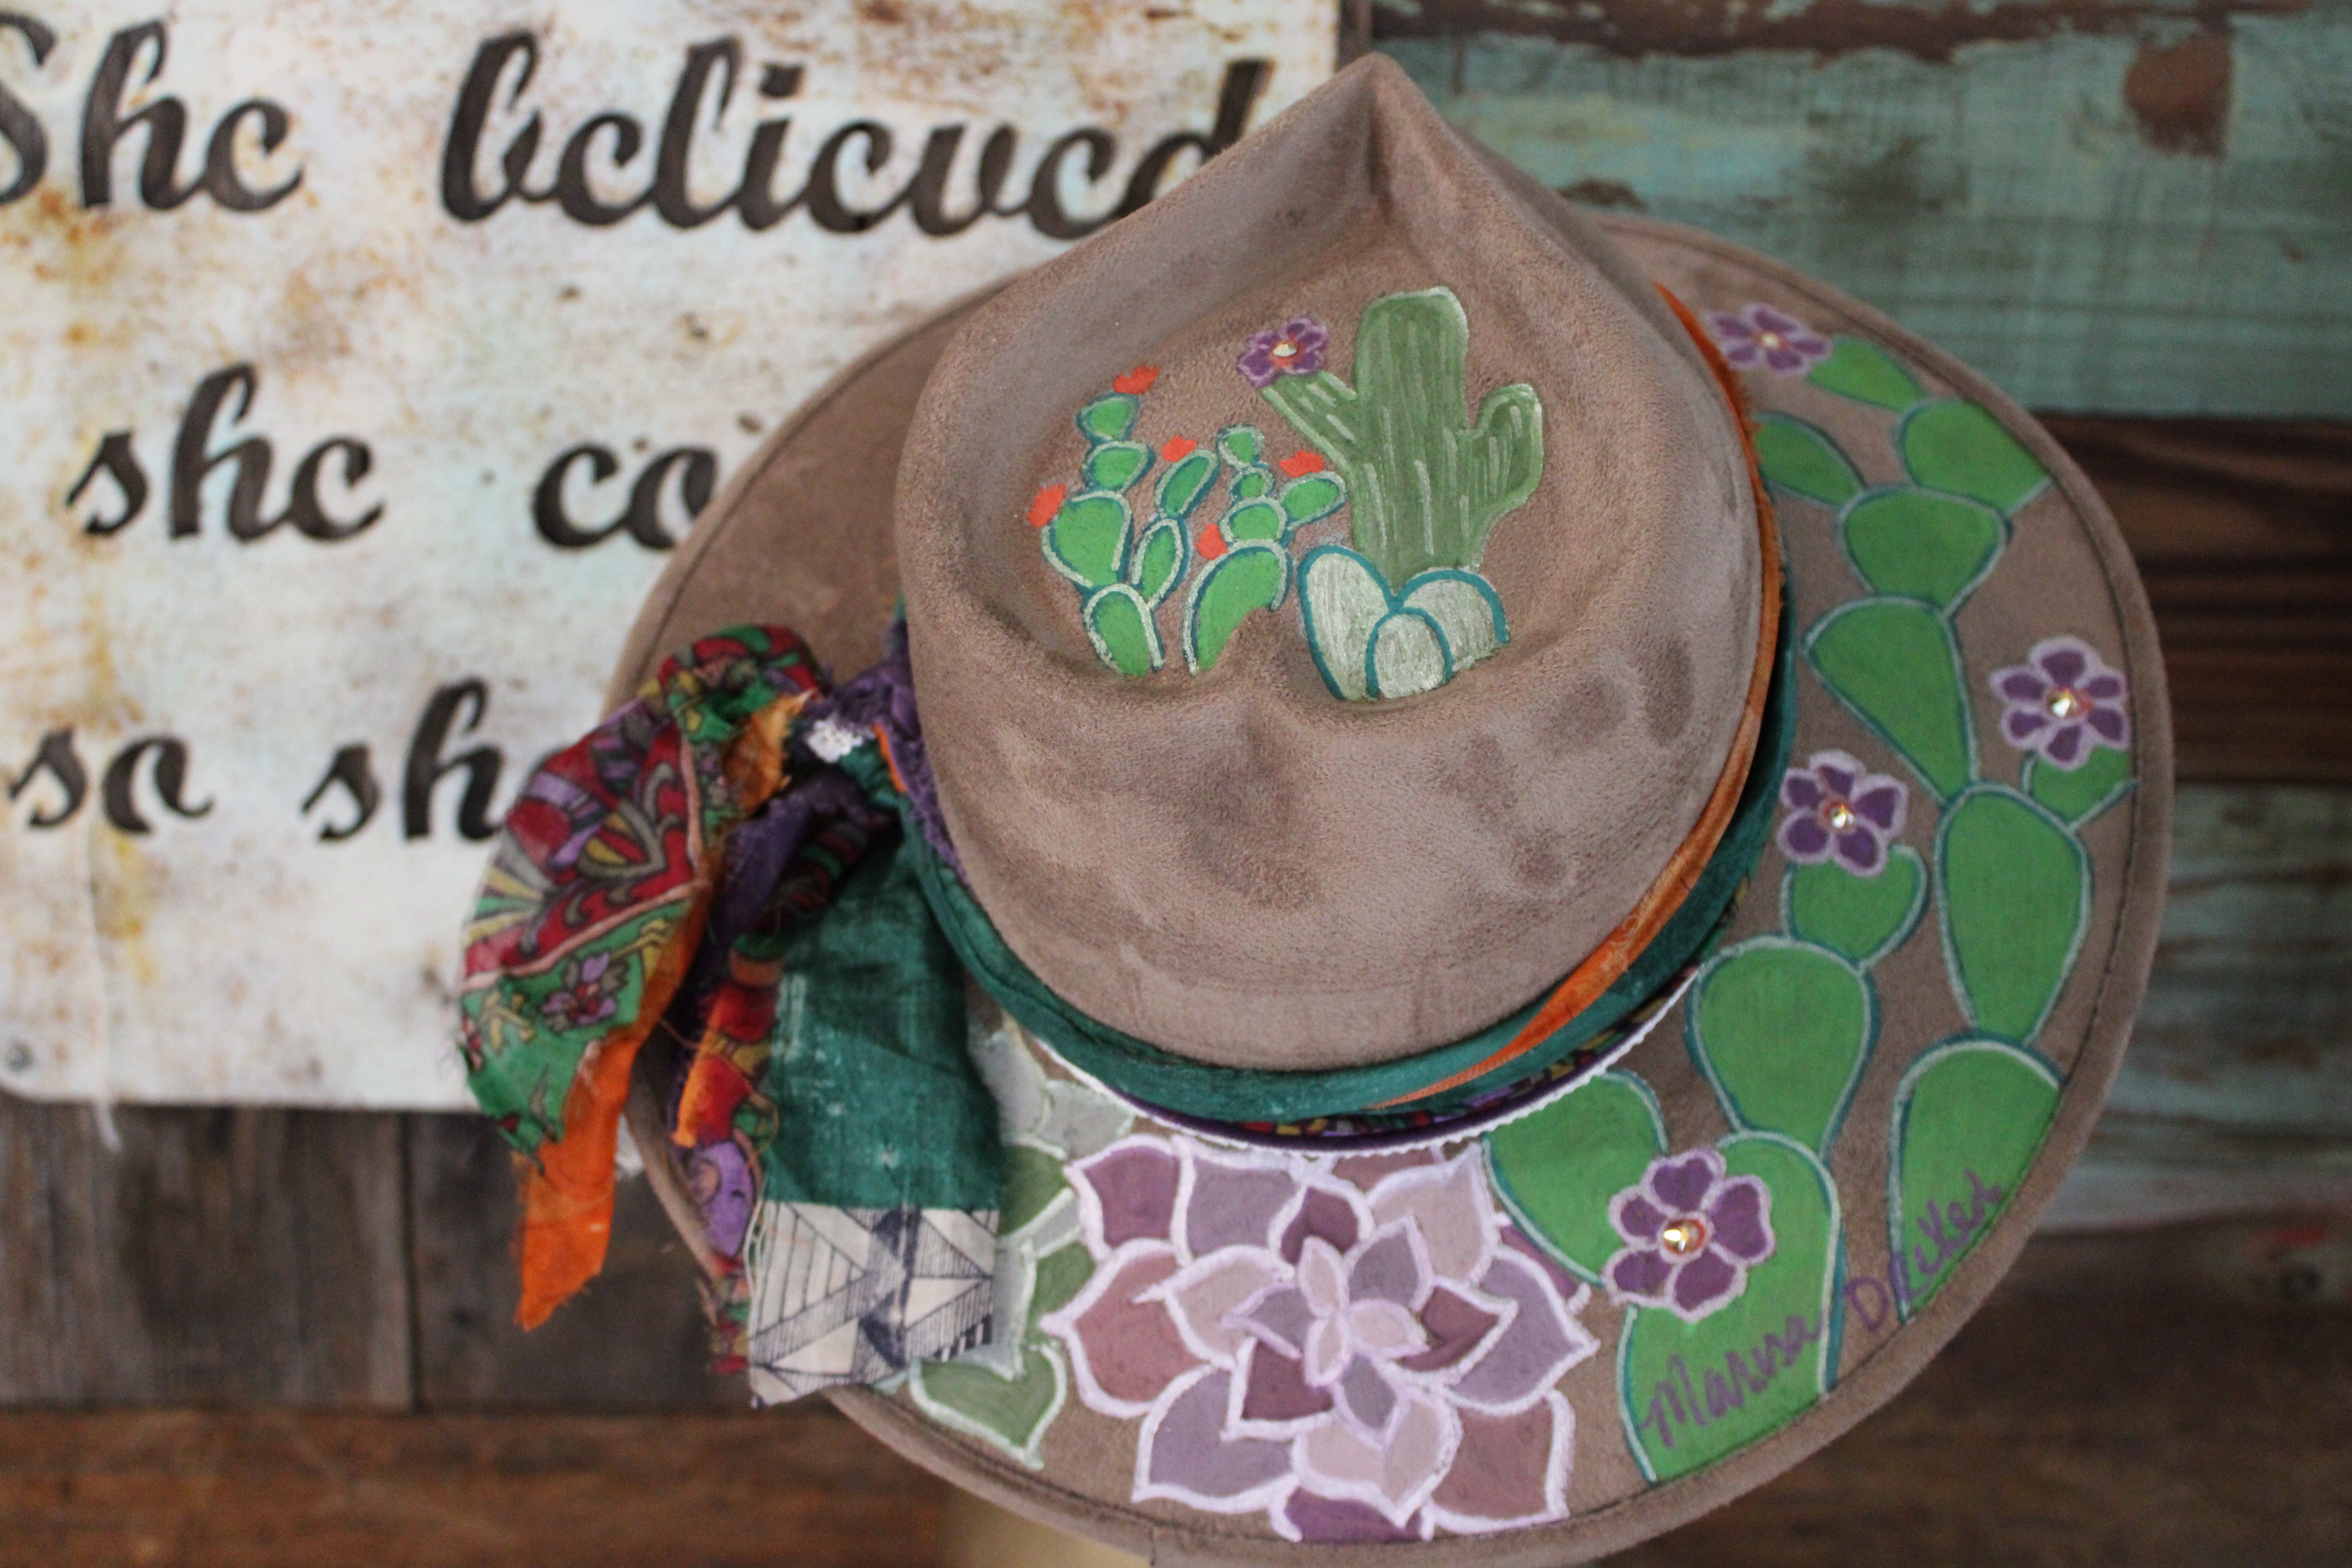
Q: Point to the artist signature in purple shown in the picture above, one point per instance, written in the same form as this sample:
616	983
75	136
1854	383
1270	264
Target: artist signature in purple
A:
1947	1229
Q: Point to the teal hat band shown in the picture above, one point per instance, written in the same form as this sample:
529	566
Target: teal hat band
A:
1246	1098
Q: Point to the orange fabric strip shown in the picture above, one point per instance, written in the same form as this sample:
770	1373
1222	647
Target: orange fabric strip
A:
1618	950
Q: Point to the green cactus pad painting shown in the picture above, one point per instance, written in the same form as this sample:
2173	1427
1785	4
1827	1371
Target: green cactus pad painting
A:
1118	623
2013	892
1781	1029
1012	1412
1802	460
1161	559
1893	662
1087	539
1922	544
1862	919
2080	794
1109	417
1960	446
1692	1393
1248	577
1969	1117
1860	369
1557	1170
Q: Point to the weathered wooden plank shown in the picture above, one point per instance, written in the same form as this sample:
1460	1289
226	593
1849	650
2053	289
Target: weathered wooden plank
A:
283	1489
634	1338
2243	530
2108	205
217	1255
2169	1399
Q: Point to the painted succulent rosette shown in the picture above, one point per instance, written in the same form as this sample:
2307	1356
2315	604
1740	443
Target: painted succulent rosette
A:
1355	1364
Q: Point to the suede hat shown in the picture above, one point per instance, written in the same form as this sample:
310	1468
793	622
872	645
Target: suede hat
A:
1541	837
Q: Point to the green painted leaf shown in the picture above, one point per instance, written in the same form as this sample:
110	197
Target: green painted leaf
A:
1893	662
1311	499
1241	445
1120	625
1060	1277
1693	1393
1032	1179
1245	579
1115	465
1922	543
1781	1029
1253	519
1343	600
1804	461
1109	417
1860	369
2013	890
1557	1170
1253	483
2080	794
1160	560
1183	483
1086	541
1012	1412
1968	1119
1865	917
1961	447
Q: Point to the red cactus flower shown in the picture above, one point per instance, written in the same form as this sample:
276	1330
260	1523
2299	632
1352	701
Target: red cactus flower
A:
1137	382
1212	543
1177	449
1298	464
1048	502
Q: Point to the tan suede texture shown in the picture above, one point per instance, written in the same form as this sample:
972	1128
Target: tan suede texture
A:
1236	865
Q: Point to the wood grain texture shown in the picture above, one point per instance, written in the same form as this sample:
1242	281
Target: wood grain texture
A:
634	1338
2174	1398
216	1256
2104	205
2243	530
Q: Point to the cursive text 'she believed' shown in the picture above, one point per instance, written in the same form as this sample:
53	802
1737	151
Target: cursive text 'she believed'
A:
599	178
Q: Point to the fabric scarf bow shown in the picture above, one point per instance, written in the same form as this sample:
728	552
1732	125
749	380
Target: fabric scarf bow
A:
720	858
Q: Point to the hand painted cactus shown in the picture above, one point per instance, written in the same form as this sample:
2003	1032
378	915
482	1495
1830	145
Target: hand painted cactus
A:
1426	487
1247	546
1122	573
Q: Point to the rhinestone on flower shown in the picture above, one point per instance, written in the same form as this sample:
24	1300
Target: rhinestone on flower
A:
1842	812
2064	702
1294	348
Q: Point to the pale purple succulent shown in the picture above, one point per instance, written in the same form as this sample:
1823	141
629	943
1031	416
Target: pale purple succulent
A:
1355	1364
2064	702
1294	348
1692	1233
1841	812
589	994
726	1188
1760	335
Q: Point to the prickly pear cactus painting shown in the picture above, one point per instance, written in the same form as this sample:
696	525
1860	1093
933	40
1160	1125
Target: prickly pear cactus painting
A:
1399	609
1730	1259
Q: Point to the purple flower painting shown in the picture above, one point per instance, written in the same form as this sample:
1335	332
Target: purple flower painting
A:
1760	336
1841	813
2064	702
725	1187
1357	1364
1294	348
1692	1233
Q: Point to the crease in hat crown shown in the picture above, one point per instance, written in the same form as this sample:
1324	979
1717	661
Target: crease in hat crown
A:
1236	858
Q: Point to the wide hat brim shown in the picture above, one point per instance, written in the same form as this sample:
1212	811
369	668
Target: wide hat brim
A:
1979	1045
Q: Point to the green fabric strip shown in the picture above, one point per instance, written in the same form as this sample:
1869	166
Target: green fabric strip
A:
877	1102
1142	1071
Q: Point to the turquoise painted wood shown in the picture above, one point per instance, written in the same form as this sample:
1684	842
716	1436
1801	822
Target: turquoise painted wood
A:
2105	205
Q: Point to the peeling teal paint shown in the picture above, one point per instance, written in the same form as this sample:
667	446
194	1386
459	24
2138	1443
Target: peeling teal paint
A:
2008	203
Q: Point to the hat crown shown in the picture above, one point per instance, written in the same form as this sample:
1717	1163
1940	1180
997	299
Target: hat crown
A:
1335	592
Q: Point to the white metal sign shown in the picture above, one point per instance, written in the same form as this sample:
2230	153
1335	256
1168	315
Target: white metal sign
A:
359	364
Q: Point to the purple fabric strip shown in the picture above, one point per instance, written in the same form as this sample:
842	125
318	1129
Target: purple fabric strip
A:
885	695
